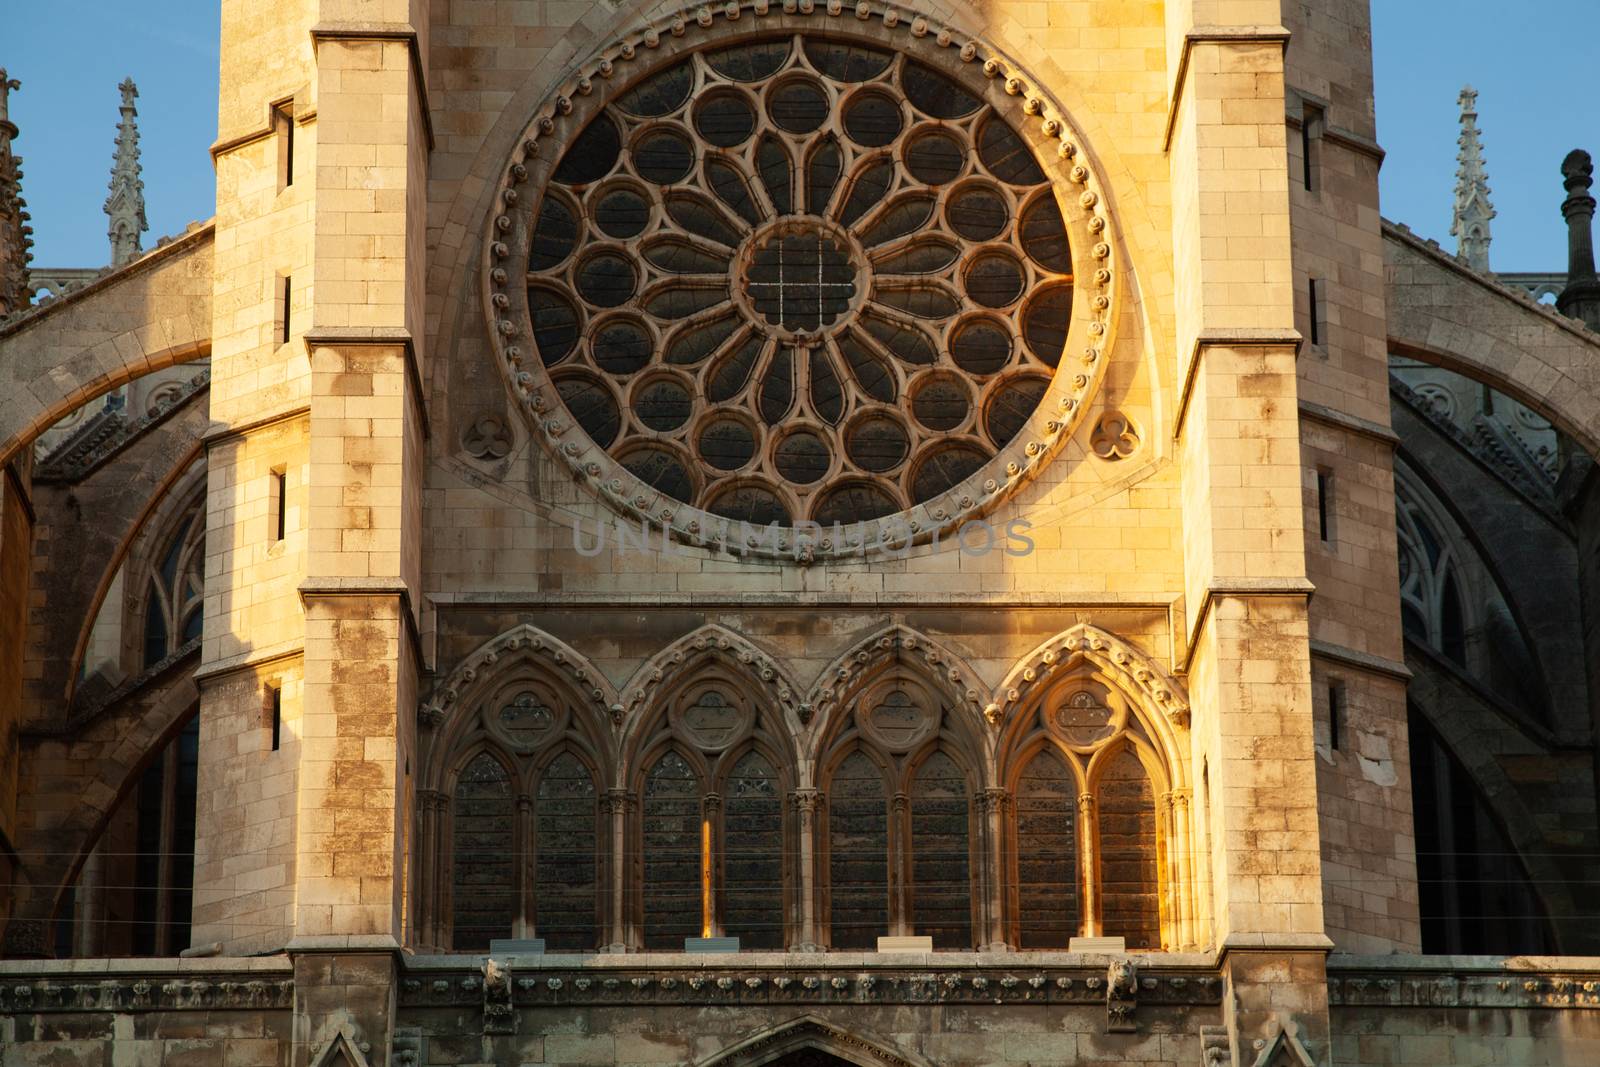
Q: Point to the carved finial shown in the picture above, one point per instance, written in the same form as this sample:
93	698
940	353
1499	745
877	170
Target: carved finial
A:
125	205
1581	297
1470	224
16	236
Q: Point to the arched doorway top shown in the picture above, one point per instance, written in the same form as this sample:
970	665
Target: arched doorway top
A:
810	1032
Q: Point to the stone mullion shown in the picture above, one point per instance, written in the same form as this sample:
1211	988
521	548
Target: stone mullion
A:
1181	869
803	919
1088	863
617	806
432	860
994	807
710	865
526	869
900	845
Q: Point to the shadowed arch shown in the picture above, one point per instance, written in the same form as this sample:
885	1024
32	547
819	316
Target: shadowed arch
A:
1447	314
522	650
677	665
153	313
812	1032
1156	698
97	524
900	647
109	745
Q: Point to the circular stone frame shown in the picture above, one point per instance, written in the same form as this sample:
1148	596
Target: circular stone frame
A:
983	70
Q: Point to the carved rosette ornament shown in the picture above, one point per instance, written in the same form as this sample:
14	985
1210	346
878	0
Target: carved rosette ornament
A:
741	276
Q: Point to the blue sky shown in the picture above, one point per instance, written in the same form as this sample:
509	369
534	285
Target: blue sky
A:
1528	64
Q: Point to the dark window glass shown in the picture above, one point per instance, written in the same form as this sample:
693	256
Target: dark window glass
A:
1005	155
906	215
1045	321
565	877
1011	405
726	443
555	324
858	855
926	255
941	887
677	256
621	346
622	213
698	340
1128	904
671	819
661	471
553	235
846	62
878	443
980	346
822	175
592	405
1047	855
749	503
867	190
724	118
935	95
732	189
727	379
483	902
798	105
903	342
869	369
802	457
935	157
1044	235
800	280
855	502
607	279
660	94
777	387
941	403
752	862
994	279
777	173
663	156
662	404
827	395
750	62
978	212
700	217
592	155
945	468
683	301
872	119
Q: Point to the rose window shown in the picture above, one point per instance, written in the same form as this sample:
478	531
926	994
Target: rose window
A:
798	279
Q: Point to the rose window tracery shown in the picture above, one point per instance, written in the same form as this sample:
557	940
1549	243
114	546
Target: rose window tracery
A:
801	278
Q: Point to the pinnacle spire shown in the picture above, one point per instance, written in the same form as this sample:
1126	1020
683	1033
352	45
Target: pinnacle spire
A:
16	236
1470	225
125	205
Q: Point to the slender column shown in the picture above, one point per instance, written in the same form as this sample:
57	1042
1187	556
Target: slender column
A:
527	906
430	807
994	807
804	921
1089	836
1182	872
900	866
616	805
1580	298
710	849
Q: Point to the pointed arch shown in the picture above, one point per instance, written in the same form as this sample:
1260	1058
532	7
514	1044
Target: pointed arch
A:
1155	697
899	647
523	653
810	1031
711	649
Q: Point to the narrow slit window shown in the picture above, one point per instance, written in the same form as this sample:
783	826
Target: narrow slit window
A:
1325	506
275	716
1310	144
1335	714
285	304
278	504
283	126
1314	309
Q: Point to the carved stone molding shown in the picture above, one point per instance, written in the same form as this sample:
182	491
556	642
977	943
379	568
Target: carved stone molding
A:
146	993
716	642
1086	986
1122	995
1501	989
1135	672
527	641
842	676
